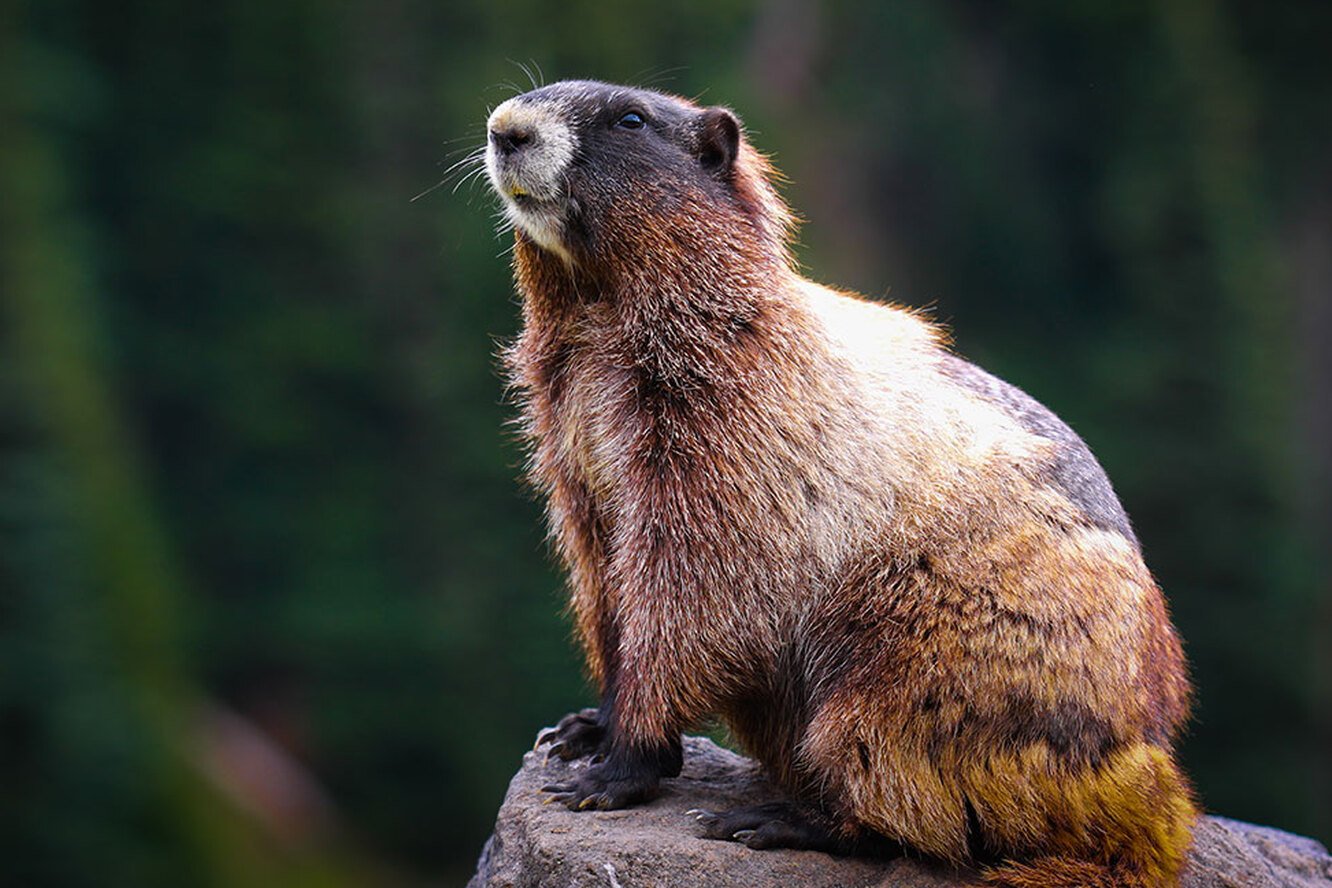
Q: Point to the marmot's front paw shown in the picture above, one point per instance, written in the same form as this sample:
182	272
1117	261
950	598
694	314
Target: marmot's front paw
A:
603	788
578	734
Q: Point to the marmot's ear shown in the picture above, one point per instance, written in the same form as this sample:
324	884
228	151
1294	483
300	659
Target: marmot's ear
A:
718	142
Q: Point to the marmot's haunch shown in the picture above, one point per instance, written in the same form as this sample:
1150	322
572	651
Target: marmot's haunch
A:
905	585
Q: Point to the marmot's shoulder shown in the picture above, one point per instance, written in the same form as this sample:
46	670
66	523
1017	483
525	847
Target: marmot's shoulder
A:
870	331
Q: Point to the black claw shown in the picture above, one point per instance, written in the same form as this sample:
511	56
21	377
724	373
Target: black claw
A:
578	734
776	825
624	778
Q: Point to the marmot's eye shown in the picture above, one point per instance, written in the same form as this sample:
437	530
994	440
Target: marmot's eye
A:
632	120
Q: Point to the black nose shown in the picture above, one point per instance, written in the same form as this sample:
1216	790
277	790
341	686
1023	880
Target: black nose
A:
508	140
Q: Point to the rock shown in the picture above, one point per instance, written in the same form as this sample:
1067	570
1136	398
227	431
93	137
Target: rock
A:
536	845
1232	854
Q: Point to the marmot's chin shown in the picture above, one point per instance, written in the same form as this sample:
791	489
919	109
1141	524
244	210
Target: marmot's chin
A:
541	221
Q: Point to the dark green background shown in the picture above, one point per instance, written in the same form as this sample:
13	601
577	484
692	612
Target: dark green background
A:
253	462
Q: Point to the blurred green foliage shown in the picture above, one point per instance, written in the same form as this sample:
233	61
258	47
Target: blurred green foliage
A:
252	446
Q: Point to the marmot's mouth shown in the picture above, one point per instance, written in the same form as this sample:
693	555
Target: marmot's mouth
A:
528	203
518	188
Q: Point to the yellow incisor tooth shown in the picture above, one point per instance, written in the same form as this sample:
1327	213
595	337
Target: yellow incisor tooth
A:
515	191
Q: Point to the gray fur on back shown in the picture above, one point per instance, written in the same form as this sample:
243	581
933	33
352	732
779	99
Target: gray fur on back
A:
1075	471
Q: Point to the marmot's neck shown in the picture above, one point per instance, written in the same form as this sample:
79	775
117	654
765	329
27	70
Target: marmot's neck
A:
679	286
674	322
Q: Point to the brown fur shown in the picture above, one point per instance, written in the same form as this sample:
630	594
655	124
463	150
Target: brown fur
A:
775	506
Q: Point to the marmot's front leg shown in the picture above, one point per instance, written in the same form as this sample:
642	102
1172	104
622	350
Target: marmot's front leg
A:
624	772
624	777
638	724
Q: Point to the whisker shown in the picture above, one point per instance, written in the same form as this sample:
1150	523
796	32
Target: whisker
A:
474	154
653	76
437	185
472	151
465	168
476	168
476	130
527	71
470	179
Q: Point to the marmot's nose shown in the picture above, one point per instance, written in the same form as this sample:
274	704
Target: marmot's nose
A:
511	139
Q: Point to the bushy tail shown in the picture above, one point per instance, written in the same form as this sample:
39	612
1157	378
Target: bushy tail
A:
1063	872
1129	824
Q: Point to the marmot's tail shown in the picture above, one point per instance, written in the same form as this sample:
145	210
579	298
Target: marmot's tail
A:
1135	832
1064	872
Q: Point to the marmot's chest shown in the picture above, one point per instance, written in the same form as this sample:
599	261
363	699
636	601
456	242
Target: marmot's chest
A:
593	410
621	430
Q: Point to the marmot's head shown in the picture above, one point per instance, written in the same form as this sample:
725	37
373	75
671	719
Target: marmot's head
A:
611	177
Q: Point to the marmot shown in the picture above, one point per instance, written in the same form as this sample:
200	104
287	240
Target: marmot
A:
906	587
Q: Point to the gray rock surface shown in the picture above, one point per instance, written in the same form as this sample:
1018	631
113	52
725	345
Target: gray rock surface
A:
537	845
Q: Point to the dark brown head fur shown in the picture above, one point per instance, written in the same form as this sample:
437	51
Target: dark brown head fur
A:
612	179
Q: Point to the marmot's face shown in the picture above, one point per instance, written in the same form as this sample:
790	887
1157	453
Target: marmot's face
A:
584	167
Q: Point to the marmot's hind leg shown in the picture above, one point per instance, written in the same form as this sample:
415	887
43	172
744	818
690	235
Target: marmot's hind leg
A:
790	825
774	825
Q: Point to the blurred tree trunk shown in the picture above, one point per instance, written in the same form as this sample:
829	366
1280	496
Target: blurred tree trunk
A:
1311	261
